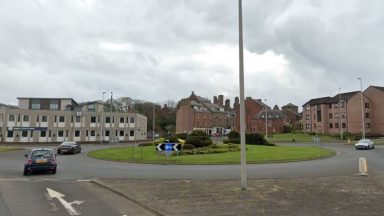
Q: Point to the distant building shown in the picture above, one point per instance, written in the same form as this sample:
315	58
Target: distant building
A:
195	113
61	119
252	108
343	113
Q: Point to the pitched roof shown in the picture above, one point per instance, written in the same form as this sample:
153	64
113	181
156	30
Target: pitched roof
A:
330	100
272	114
379	88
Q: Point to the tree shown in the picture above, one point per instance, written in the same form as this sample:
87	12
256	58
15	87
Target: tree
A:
199	138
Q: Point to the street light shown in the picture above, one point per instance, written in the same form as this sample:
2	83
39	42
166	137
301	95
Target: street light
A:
266	120
362	107
242	105
102	120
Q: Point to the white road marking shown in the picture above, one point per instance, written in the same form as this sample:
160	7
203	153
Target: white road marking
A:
67	205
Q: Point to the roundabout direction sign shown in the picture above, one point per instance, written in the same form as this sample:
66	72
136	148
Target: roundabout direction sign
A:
168	147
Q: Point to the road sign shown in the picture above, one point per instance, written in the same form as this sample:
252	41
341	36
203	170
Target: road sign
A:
168	147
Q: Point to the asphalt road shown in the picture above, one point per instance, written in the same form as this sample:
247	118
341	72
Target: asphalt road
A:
32	195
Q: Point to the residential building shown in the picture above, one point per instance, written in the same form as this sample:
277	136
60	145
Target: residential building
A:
272	119
252	108
197	113
343	113
62	119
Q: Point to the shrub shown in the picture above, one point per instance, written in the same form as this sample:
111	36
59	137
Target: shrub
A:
188	146
173	139
182	136
199	138
255	139
287	129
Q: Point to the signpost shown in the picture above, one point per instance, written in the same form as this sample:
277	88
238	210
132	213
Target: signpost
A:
168	148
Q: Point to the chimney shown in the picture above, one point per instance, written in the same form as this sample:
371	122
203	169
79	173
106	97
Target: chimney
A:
227	104
215	99
237	102
220	101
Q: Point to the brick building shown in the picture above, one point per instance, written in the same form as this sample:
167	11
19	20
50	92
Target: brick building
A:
343	113
196	112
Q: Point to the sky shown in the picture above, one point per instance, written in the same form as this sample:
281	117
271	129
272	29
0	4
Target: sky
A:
161	50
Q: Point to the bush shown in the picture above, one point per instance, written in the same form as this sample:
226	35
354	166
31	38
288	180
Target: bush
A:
173	139
287	129
255	139
182	136
199	138
188	146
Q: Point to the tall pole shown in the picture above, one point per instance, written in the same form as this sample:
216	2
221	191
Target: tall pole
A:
242	103
340	125
266	120
110	119
102	121
153	123
362	107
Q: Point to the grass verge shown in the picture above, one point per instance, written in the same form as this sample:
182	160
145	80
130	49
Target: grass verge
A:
255	154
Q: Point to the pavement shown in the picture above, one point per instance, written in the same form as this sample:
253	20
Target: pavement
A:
337	195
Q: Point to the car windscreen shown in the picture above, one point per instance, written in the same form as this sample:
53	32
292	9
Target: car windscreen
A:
42	154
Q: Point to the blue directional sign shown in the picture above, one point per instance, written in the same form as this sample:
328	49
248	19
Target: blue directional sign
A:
168	147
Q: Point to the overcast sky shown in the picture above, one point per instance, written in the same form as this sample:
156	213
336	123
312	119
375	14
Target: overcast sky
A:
159	50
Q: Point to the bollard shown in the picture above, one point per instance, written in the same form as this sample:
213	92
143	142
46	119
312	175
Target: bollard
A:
363	168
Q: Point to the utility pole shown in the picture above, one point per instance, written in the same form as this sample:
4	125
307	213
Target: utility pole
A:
243	173
110	118
362	107
153	123
102	121
340	124
266	120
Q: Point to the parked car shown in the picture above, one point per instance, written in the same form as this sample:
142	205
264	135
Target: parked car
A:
41	159
69	147
365	144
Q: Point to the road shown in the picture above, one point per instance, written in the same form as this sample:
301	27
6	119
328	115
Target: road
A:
75	195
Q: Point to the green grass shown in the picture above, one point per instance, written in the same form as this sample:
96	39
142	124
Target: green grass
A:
5	149
255	154
299	137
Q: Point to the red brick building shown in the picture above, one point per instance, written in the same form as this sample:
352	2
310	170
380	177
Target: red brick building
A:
343	113
196	112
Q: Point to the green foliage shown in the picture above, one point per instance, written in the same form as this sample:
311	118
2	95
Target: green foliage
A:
233	135
212	149
183	136
255	139
199	138
287	129
188	146
172	139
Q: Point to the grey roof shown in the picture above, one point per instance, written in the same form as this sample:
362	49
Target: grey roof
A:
379	88
330	100
272	114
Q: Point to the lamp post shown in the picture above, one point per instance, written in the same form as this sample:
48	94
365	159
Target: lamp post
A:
340	124
102	120
362	107
153	123
266	120
242	105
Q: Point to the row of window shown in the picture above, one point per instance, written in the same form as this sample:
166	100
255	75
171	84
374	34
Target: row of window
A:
335	105
336	115
336	125
61	133
44	118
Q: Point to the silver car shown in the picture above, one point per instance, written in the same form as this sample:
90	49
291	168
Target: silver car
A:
365	144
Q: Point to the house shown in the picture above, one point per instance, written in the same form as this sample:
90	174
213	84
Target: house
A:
197	113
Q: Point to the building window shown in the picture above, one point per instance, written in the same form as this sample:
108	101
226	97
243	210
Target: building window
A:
342	104
86	133
107	133
44	119
121	119
308	108
60	133
132	133
54	106
314	126
367	115
77	133
107	119
319	116
330	106
343	125
10	133
43	133
121	133
343	115
78	118
93	133
336	105
336	115
93	119
330	125
35	106
11	118
330	115
91	107
25	118
24	133
368	125
336	125
366	105
61	119
308	126
132	120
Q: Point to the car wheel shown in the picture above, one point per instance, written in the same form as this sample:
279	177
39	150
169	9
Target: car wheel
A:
25	173
373	146
58	152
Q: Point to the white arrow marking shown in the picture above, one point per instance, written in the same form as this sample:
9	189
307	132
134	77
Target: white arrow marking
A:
175	147
68	206
159	147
